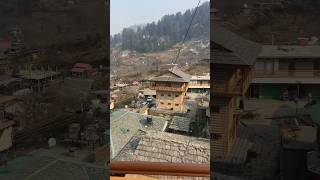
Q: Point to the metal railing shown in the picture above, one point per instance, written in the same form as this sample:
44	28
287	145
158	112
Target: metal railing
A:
159	168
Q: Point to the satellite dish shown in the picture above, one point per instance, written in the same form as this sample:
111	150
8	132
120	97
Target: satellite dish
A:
52	142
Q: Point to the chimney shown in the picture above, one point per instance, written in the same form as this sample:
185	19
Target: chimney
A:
149	119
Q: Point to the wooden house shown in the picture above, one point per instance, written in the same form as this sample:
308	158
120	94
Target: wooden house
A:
294	69
232	60
171	89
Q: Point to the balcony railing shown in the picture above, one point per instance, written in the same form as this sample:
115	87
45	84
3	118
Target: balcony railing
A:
159	168
166	88
287	73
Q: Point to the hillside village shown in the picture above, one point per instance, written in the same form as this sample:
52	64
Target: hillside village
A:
53	92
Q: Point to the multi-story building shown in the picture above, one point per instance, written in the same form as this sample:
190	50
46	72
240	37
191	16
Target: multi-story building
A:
199	84
291	70
232	60
171	89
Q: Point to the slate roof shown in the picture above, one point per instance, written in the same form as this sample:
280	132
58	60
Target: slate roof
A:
51	168
175	75
179	123
153	146
166	78
289	51
125	124
175	70
236	50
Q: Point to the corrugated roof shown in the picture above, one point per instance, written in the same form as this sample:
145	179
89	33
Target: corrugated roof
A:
242	51
289	51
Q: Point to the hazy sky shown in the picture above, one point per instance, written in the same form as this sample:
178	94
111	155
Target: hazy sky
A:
125	13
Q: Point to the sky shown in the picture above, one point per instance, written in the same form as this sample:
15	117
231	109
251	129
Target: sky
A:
125	13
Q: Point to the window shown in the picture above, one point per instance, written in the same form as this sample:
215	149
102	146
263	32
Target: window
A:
176	104
161	103
162	94
177	95
169	95
169	103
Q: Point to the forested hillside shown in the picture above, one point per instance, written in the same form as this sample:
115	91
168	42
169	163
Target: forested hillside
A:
161	35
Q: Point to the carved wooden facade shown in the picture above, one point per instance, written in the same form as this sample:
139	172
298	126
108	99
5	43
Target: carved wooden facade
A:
232	59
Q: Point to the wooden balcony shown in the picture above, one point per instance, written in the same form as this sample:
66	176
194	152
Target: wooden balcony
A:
288	74
167	88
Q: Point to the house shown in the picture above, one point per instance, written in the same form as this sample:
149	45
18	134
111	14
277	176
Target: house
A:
148	92
199	84
171	89
179	125
38	79
290	69
232	60
82	70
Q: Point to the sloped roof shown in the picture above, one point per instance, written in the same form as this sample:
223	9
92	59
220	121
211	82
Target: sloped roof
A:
241	51
175	70
155	146
125	124
52	168
174	75
180	123
166	78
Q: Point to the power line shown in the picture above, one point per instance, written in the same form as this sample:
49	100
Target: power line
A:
185	36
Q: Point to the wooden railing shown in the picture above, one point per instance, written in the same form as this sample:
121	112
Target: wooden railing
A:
158	168
166	88
287	73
